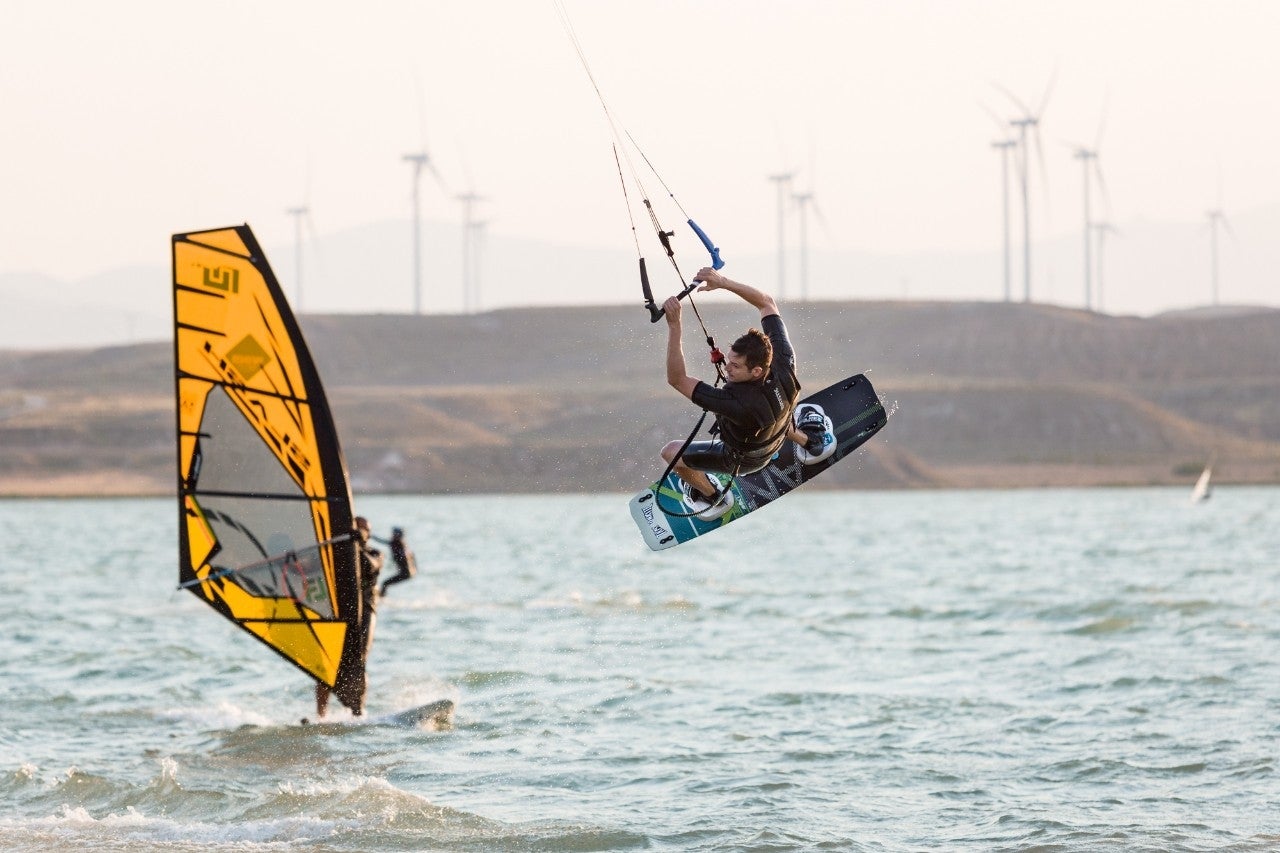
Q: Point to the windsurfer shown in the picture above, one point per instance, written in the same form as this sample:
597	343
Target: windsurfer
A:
402	556
753	410
370	564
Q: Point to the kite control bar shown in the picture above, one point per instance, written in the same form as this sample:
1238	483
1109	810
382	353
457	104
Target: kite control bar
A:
656	313
716	263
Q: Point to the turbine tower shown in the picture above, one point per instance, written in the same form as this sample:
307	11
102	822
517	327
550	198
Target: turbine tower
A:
804	203
1102	229
1003	146
1087	158
298	214
803	200
420	161
783	180
470	285
478	230
1216	217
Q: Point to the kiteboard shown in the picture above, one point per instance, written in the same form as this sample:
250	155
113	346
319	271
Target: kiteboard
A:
855	414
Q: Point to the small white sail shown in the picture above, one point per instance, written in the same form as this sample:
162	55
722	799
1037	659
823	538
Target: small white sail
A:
1201	492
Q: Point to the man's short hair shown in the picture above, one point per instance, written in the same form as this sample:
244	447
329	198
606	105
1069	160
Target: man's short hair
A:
755	348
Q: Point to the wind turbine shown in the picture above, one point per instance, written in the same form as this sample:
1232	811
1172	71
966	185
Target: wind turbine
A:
1088	158
1216	217
1003	146
470	227
783	180
1102	229
420	160
298	213
1028	121
804	201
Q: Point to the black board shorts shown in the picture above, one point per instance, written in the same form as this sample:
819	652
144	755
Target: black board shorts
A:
714	456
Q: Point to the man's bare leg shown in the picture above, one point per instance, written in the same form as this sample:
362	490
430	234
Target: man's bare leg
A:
699	480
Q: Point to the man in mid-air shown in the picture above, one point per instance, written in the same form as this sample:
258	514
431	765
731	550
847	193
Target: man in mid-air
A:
753	409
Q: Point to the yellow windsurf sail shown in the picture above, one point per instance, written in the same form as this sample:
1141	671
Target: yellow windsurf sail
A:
265	522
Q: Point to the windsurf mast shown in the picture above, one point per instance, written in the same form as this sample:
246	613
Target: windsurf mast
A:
264	505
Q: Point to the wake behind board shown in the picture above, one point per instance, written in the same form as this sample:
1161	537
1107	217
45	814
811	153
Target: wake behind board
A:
856	414
433	715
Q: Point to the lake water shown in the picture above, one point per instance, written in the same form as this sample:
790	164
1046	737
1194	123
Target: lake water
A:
1006	670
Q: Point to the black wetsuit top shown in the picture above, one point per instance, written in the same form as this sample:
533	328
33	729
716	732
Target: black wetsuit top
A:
370	565
406	565
753	417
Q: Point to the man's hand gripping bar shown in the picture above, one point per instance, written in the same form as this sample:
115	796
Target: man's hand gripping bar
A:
656	313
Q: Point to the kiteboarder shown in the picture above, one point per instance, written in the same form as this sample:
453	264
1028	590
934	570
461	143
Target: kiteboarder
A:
753	409
370	563
402	556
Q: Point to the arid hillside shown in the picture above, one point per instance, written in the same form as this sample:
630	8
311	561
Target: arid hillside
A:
573	399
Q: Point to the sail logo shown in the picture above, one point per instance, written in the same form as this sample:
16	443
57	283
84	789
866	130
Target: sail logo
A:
248	357
225	279
313	591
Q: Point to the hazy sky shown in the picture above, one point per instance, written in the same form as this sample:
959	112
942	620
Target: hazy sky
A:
122	122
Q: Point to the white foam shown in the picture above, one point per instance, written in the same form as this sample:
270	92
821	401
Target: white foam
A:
76	827
223	715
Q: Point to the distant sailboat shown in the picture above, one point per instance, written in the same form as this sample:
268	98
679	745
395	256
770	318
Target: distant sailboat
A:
1202	491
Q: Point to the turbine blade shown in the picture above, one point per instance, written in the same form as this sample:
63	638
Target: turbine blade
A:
822	219
1102	121
1048	90
421	100
1017	103
435	173
1102	184
1003	124
466	171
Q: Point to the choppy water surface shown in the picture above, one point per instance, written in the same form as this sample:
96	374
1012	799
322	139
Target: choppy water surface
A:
1041	670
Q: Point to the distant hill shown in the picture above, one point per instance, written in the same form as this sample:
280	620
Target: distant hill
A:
573	399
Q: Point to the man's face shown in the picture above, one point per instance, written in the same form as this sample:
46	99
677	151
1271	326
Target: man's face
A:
735	368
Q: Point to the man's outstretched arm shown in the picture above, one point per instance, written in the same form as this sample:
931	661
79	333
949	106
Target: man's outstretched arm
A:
712	280
677	373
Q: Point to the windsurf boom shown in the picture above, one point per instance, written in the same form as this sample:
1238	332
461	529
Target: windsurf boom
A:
264	506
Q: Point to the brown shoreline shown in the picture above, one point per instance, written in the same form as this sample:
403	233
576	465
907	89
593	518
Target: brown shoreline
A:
984	395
